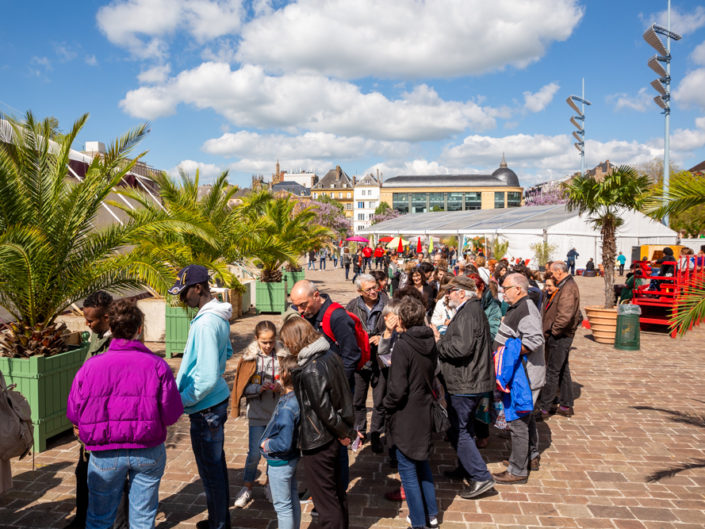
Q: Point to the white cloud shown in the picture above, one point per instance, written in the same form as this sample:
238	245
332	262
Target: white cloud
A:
39	66
250	98
698	54
640	102
311	145
64	51
688	140
406	38
154	75
681	22
691	90
142	26
537	101
207	171
414	167
91	60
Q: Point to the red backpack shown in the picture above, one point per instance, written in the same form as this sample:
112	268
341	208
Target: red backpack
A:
363	341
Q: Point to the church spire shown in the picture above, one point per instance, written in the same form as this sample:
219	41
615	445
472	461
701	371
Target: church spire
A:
503	163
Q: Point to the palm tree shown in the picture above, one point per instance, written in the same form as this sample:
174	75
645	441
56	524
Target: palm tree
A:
283	222
603	200
52	255
686	191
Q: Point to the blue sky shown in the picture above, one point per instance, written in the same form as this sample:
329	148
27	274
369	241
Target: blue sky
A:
408	86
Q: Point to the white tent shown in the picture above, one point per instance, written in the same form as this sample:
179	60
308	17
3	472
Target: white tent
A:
527	225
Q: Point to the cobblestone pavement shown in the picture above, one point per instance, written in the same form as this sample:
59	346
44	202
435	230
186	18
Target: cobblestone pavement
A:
632	457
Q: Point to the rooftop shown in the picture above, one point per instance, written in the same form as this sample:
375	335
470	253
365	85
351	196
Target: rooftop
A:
501	177
334	179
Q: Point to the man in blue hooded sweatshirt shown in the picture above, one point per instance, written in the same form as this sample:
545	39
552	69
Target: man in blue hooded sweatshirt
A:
203	389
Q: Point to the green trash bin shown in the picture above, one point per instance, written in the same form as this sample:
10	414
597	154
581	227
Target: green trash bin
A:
628	336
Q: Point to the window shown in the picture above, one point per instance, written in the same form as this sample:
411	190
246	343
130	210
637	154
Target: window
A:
513	199
360	216
436	202
473	200
340	194
315	195
454	201
400	202
498	199
419	202
349	195
348	207
360	205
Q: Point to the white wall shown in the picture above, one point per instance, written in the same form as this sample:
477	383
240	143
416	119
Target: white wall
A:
369	195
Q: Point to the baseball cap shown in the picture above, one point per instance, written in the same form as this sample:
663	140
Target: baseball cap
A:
188	276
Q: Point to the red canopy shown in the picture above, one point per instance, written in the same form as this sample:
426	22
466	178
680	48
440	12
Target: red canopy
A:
419	248
400	249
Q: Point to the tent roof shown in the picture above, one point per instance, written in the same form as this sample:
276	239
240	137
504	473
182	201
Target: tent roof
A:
526	219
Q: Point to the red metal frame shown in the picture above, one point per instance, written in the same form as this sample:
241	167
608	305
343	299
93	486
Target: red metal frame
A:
665	299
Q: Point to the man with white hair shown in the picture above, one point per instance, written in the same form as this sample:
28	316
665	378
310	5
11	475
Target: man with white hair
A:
368	308
523	321
465	357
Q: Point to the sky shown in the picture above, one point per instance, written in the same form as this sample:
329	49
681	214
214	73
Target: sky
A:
400	86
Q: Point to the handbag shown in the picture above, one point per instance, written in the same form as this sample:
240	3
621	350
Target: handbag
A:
16	428
440	423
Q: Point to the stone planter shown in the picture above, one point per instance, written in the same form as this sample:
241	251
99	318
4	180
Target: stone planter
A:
603	323
45	382
178	323
270	297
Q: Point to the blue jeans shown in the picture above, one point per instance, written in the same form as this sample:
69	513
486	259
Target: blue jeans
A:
461	418
207	436
322	264
417	481
107	471
285	494
253	453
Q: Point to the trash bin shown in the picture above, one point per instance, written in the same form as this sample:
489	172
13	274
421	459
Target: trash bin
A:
628	336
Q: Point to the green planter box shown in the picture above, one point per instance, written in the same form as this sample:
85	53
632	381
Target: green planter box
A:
270	297
178	323
45	382
293	277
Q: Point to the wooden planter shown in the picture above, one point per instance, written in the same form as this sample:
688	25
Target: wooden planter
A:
270	297
178	323
293	277
603	323
45	382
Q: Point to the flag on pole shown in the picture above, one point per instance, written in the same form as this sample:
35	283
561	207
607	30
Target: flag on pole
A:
419	248
400	249
430	244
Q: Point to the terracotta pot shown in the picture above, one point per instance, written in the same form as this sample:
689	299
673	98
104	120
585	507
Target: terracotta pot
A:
603	323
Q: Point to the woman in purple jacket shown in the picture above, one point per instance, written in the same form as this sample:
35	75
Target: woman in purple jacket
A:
121	402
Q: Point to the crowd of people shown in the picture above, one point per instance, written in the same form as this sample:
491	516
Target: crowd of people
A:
481	341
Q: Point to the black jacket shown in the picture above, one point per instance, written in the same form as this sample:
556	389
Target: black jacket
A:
325	401
344	331
408	398
355	306
465	351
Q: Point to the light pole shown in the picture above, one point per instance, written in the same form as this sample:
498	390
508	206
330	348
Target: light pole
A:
580	133
663	86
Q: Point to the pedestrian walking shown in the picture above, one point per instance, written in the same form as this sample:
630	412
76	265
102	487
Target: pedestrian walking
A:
621	260
203	389
570	260
347	261
311	259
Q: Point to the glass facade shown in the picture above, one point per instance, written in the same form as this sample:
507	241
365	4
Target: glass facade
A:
436	202
454	201
513	199
419	202
473	200
400	202
498	199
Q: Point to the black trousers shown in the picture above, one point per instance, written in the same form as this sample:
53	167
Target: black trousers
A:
558	379
324	472
363	380
123	513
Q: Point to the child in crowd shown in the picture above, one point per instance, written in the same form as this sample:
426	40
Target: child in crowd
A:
257	379
279	446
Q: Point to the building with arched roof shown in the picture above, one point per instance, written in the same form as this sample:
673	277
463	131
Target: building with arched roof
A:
458	192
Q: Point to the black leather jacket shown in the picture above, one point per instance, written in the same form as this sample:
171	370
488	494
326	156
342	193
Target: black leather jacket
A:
324	396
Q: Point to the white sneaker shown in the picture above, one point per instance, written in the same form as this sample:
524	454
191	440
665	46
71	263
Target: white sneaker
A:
268	493
243	498
432	523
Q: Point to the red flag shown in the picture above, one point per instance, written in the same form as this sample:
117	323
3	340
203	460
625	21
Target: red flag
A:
400	249
419	248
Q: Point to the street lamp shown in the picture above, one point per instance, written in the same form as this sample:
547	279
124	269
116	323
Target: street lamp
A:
580	133
663	86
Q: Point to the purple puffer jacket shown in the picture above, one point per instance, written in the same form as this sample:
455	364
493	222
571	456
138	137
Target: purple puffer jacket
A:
124	398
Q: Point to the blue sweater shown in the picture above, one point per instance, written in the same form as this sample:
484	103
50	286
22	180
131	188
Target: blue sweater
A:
200	378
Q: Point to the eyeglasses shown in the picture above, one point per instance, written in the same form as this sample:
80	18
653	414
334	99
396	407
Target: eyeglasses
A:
369	290
510	286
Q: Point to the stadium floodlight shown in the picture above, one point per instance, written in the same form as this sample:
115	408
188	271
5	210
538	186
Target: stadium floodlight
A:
660	102
655	65
580	133
658	87
663	85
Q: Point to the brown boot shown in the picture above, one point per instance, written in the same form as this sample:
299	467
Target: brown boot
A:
507	478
